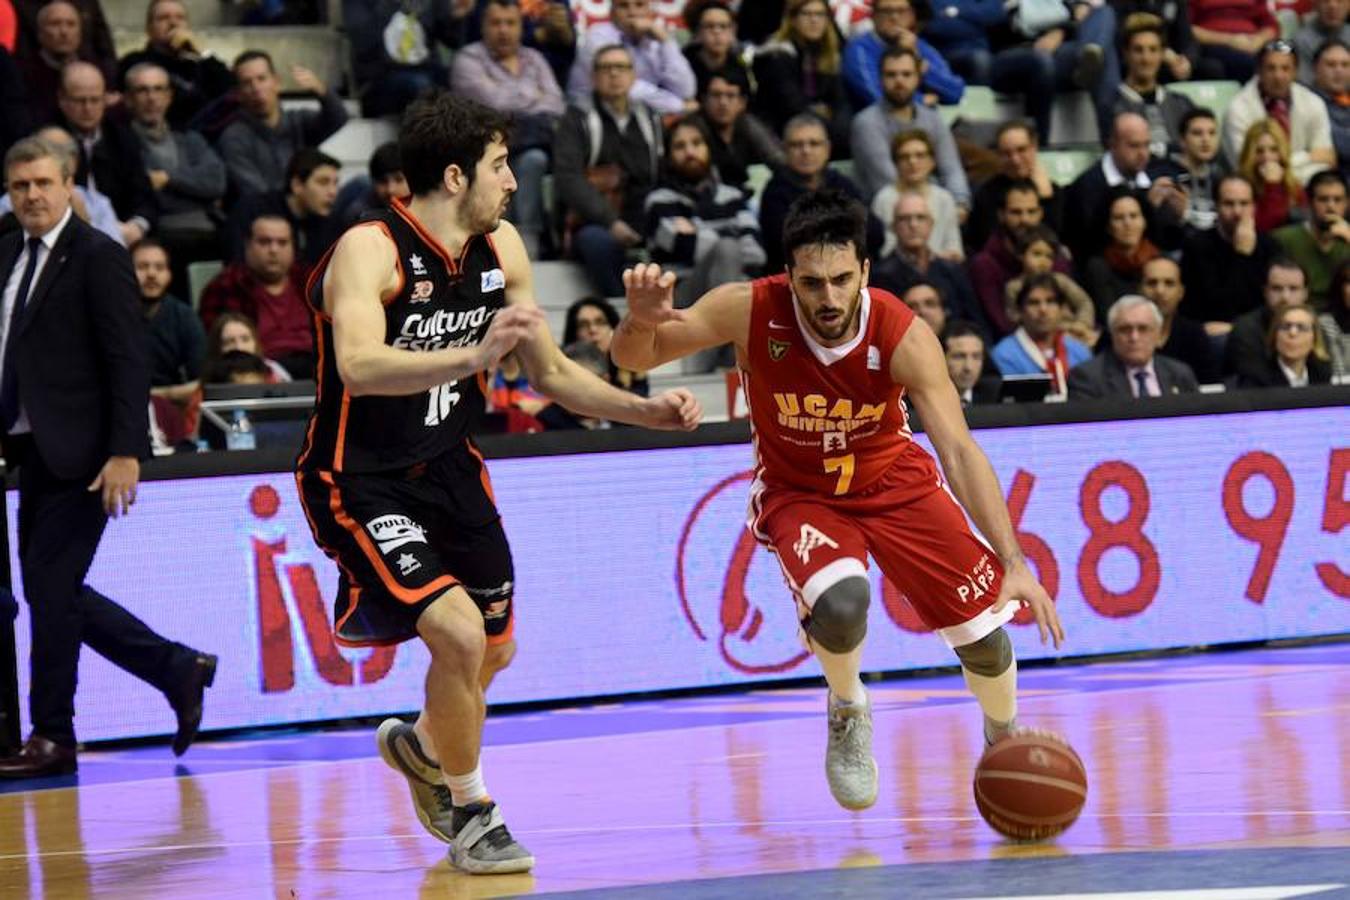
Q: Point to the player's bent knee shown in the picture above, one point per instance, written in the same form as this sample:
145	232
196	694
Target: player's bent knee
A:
990	656
839	617
453	637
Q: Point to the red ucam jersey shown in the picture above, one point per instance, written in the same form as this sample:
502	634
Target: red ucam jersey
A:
828	420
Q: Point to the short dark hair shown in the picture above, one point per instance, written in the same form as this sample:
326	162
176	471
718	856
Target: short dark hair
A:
1195	112
931	285
733	75
1025	237
1020	185
1278	45
385	161
1016	125
1326	176
441	130
694	10
1288	264
225	367
149	243
570	317
1329	44
270	217
825	218
896	53
1043	280
1232	176
610	48
249	56
305	162
960	328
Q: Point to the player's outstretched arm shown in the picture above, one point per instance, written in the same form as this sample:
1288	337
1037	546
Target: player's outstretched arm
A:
555	376
654	332
364	271
918	364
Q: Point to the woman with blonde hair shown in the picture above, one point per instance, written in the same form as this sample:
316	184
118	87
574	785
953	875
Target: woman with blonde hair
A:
798	71
1265	164
1295	352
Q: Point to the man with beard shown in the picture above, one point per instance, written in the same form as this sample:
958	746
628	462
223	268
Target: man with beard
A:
173	333
828	363
414	304
1322	243
698	226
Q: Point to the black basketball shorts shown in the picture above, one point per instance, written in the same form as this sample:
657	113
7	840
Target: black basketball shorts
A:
402	539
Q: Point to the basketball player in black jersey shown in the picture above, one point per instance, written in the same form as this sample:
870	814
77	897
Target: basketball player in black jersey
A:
412	306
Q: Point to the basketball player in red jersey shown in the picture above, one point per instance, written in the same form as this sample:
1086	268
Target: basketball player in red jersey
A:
411	307
826	361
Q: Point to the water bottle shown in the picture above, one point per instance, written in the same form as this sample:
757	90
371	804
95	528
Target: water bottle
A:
241	436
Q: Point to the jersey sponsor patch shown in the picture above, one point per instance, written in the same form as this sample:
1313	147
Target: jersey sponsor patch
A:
394	531
874	358
421	291
835	440
418	267
778	349
811	538
493	280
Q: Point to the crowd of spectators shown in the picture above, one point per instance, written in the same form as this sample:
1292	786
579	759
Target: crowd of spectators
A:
1202	246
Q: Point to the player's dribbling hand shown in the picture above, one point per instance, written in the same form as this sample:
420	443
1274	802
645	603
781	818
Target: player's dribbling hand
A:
1020	586
509	327
676	410
651	295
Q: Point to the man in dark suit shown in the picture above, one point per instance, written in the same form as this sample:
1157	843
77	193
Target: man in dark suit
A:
1132	367
1126	162
74	391
110	153
963	346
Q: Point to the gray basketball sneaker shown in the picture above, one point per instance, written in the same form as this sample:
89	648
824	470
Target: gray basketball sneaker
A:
482	845
403	753
849	766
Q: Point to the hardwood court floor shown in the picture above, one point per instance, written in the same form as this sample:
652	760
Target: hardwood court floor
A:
1222	773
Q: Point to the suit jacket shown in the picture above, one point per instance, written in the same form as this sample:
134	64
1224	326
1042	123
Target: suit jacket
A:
1104	377
1085	214
119	171
80	354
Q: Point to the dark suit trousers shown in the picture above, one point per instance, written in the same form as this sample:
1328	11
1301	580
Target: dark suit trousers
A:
60	525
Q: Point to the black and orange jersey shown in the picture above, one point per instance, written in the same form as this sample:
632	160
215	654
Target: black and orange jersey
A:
440	303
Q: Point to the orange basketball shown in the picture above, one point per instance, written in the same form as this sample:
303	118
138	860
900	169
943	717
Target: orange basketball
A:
1030	786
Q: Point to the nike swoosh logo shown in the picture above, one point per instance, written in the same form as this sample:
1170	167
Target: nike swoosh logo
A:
773	324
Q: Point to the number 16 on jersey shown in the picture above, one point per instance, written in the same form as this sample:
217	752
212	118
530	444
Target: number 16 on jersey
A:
440	401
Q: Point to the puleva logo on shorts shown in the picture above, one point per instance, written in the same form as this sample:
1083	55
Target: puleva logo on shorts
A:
811	538
493	280
394	531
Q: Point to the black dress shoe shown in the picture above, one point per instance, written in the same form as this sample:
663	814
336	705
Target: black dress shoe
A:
187	701
39	758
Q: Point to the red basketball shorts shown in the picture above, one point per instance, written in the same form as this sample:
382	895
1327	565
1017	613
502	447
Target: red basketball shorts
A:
910	525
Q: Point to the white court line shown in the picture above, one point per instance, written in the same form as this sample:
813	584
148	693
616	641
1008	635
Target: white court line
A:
1271	892
674	826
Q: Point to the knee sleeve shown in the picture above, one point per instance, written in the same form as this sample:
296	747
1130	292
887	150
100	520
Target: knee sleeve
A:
990	656
839	619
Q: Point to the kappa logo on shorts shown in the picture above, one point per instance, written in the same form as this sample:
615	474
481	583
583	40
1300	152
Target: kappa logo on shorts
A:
778	349
394	531
407	563
979	581
811	538
493	280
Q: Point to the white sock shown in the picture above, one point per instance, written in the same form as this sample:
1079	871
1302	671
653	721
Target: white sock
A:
841	673
997	697
467	788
